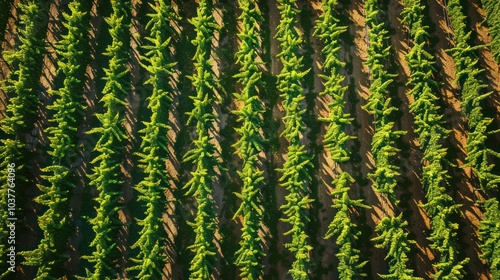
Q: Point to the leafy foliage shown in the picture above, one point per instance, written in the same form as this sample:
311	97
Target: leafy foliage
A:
443	240
393	237
489	232
345	230
200	186
295	169
249	255
23	80
68	106
329	30
472	89
336	140
390	229
379	105
106	175
429	128
21	88
153	238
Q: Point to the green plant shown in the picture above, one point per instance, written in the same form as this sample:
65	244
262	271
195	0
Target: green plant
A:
295	173
393	237
345	230
379	105
336	141
250	143
153	238
472	90
489	232
429	127
106	174
21	89
200	186
50	254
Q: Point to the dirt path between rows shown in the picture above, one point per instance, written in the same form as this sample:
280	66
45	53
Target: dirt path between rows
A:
321	212
172	269
281	266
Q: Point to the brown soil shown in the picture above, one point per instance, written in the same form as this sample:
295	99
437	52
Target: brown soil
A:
137	79
323	253
219	124
173	169
279	158
476	16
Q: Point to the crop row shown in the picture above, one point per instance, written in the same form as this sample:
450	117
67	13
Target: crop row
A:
391	230
336	141
492	8
472	88
21	88
440	207
250	142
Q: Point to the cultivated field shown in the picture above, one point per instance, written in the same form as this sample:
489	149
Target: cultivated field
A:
221	139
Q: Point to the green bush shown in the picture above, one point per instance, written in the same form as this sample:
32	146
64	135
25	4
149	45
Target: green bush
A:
336	141
106	175
295	174
250	143
153	239
200	186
